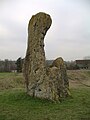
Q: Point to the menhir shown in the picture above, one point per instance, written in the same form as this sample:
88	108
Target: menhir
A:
41	81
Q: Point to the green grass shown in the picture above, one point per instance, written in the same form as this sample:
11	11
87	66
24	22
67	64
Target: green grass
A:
15	104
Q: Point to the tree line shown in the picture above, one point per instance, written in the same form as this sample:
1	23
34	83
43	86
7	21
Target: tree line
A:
16	66
7	65
11	66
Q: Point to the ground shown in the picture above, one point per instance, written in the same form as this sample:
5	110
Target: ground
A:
15	104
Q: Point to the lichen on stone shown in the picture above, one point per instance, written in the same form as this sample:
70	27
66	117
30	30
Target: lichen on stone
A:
42	81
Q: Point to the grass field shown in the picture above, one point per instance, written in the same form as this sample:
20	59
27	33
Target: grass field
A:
15	104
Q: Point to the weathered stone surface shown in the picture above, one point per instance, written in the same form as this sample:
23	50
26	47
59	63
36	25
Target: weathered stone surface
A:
58	75
41	81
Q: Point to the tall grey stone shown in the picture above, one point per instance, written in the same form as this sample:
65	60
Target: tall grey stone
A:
41	81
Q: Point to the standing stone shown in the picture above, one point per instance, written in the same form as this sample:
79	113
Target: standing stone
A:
59	80
41	81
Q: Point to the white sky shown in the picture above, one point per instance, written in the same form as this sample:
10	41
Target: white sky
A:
68	37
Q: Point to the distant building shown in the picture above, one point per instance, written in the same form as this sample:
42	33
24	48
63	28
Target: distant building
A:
83	64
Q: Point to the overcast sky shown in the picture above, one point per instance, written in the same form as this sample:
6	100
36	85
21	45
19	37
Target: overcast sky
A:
68	37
